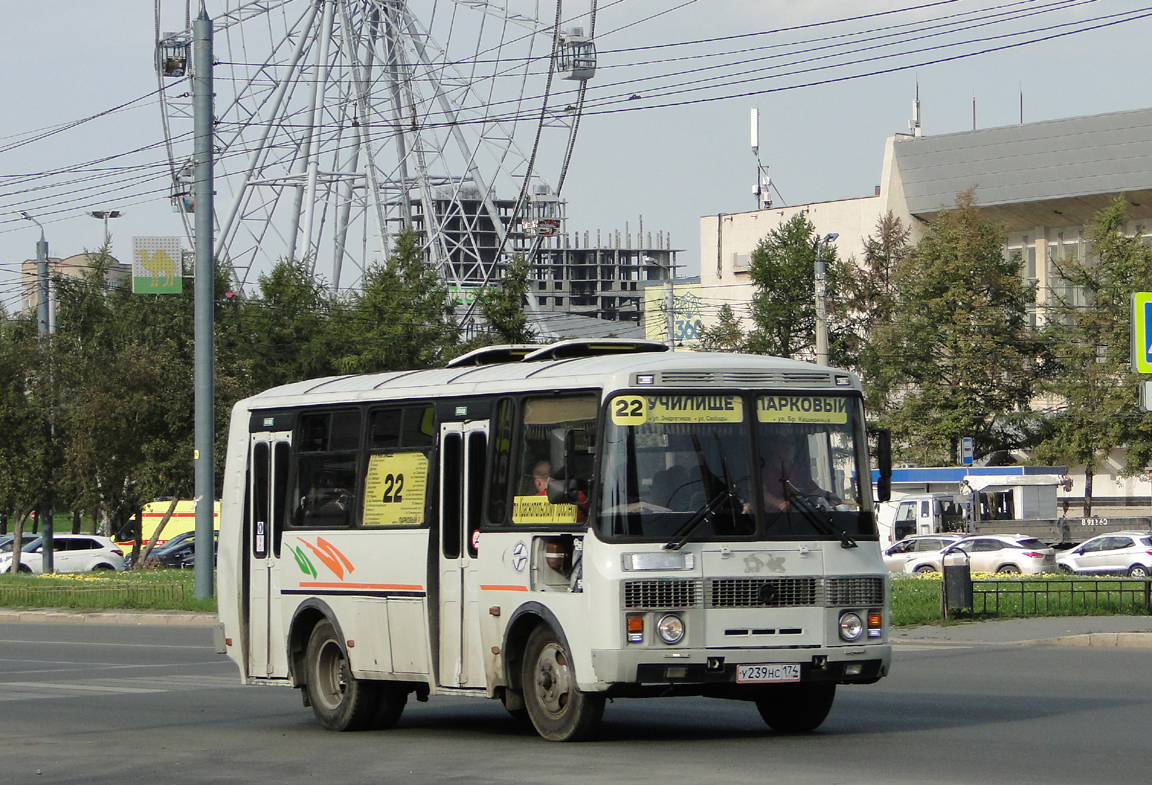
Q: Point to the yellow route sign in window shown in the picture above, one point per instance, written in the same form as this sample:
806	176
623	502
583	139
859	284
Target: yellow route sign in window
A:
803	409
641	409
394	489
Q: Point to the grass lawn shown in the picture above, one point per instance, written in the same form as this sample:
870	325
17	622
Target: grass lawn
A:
916	600
169	590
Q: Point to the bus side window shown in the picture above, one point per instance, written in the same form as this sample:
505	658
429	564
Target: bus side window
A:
327	480
281	461
259	498
501	462
556	453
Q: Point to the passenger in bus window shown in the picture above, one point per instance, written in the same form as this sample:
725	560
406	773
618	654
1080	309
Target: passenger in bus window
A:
540	477
787	474
541	473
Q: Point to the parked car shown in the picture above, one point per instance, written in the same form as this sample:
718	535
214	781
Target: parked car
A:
1000	553
31	543
70	553
1116	552
896	556
169	543
180	551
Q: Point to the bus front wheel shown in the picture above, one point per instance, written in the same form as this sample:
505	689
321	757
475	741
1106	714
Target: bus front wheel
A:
340	701
558	709
796	708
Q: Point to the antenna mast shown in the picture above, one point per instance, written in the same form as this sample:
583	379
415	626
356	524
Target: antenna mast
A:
763	188
914	123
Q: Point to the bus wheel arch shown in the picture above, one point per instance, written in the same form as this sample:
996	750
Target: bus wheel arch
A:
520	625
310	613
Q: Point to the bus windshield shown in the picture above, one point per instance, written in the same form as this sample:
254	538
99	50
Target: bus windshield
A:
700	467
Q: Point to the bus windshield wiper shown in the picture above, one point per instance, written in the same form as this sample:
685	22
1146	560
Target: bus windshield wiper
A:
813	515
700	515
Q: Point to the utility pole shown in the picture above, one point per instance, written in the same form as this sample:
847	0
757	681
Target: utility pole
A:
204	293
821	300
44	511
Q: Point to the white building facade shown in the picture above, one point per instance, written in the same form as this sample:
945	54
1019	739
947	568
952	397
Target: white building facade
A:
1044	182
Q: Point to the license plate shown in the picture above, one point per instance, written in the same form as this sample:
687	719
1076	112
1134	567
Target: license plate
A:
768	671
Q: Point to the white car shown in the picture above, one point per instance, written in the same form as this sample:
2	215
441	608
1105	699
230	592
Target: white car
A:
899	554
70	553
1001	553
1117	552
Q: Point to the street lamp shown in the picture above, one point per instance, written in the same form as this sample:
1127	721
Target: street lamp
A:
41	277
821	303
44	511
104	215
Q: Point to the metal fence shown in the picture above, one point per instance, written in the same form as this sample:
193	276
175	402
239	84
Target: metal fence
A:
124	595
1057	597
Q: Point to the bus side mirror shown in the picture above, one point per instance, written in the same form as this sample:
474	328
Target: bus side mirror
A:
884	462
566	482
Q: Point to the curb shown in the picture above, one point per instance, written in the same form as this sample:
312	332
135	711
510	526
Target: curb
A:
1119	640
135	618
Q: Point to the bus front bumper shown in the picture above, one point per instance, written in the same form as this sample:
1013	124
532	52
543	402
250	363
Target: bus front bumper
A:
839	664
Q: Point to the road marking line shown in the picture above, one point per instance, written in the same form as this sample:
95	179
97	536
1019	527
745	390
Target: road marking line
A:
40	685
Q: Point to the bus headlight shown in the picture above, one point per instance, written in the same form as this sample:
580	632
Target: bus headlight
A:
670	629
851	626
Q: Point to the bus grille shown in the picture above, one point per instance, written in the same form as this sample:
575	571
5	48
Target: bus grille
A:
662	594
793	592
760	592
745	378
854	590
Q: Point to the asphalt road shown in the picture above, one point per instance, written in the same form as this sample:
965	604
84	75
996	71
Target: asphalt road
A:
143	704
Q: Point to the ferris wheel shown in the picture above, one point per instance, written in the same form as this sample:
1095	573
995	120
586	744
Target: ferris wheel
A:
341	122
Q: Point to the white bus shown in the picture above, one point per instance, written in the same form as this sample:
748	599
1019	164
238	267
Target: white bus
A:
552	527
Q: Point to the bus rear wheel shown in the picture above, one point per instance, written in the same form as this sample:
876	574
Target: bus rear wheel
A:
558	709
796	708
340	701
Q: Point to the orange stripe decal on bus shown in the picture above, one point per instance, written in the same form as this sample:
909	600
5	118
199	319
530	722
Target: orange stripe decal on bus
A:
500	587
362	586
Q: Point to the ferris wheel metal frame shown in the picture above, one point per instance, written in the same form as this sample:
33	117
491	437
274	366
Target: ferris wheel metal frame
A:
341	122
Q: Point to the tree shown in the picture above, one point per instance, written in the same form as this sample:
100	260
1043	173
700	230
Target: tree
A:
784	305
401	320
727	335
123	411
503	305
871	300
289	326
957	358
1087	337
27	456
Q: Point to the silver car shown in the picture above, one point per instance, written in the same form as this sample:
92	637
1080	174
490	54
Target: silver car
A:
1014	554
900	553
1116	552
70	553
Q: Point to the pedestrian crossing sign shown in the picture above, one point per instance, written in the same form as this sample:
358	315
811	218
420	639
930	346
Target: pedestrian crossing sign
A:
1142	332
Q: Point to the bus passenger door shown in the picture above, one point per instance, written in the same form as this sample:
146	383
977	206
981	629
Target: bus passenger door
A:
268	481
463	456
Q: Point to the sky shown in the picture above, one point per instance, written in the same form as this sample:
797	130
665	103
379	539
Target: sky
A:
832	79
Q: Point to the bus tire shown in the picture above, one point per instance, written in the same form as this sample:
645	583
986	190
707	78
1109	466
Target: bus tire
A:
390	701
558	709
796	708
340	701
